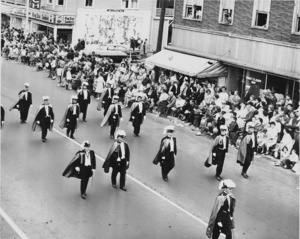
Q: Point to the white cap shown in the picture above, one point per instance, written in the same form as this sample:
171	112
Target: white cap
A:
121	133
85	83
74	97
27	84
250	124
115	97
226	183
224	127
45	97
168	128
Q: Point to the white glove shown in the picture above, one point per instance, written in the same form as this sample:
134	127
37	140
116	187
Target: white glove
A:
77	169
214	154
145	117
38	122
77	118
17	106
220	224
133	117
121	119
93	170
52	121
68	120
163	157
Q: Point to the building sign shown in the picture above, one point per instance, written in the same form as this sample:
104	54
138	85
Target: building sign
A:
69	19
36	4
21	12
115	10
42	16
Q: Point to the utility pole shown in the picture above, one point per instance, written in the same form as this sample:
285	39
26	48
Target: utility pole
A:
161	25
27	20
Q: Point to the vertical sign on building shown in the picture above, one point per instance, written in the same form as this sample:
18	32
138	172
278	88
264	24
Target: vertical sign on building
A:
35	4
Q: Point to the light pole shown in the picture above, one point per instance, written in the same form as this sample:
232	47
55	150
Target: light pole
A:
27	18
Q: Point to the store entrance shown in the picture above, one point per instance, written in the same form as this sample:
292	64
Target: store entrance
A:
64	36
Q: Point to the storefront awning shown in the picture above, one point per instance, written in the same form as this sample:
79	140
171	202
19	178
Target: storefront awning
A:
179	62
215	70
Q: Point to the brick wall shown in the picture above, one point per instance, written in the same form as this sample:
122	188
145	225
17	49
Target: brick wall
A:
280	23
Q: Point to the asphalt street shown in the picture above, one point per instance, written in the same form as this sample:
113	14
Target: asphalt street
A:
43	204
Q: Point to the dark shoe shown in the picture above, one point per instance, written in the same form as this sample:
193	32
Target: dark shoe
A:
21	122
72	137
218	178
124	189
165	178
44	140
244	175
114	186
112	137
84	120
83	196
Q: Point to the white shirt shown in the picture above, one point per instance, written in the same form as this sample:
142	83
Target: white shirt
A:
74	109
141	107
87	159
85	94
47	110
171	144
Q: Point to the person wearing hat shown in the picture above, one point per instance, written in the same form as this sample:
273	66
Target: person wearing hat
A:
23	103
44	119
84	99
71	116
82	166
167	152
219	151
2	116
106	98
118	159
113	116
221	218
137	114
248	147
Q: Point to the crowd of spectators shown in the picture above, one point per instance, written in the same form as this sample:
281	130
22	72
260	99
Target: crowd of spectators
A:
197	103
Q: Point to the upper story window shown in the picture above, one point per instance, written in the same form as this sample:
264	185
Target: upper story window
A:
193	9
261	14
226	12
296	18
133	4
49	1
60	2
88	3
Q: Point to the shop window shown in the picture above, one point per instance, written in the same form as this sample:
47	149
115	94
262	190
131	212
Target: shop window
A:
88	3
226	12
60	2
130	4
261	14
193	9
297	24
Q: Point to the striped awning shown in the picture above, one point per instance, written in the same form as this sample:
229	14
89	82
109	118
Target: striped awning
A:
215	70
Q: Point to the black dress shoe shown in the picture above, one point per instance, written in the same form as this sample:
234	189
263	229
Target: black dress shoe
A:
166	178
83	196
245	175
114	186
72	137
124	189
44	140
218	178
112	137
84	120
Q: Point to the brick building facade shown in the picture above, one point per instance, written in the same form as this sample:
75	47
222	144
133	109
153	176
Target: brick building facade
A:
259	40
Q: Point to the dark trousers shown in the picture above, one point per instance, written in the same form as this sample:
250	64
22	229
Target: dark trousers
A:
44	132
119	168
70	130
113	127
220	163
225	229
83	109
85	172
167	165
24	114
137	128
246	166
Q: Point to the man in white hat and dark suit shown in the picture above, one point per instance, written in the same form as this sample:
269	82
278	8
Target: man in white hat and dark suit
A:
167	152
118	159
82	166
71	116
84	99
44	119
137	114
106	98
23	104
219	151
221	219
113	116
247	149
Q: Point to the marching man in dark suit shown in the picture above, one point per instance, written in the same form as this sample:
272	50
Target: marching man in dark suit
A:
106	98
2	116
167	152
248	147
23	104
82	166
84	99
44	119
221	219
70	118
118	159
138	114
113	116
219	151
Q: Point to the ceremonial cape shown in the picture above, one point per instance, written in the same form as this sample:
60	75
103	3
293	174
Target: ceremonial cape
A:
161	151
105	120
63	122
107	163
